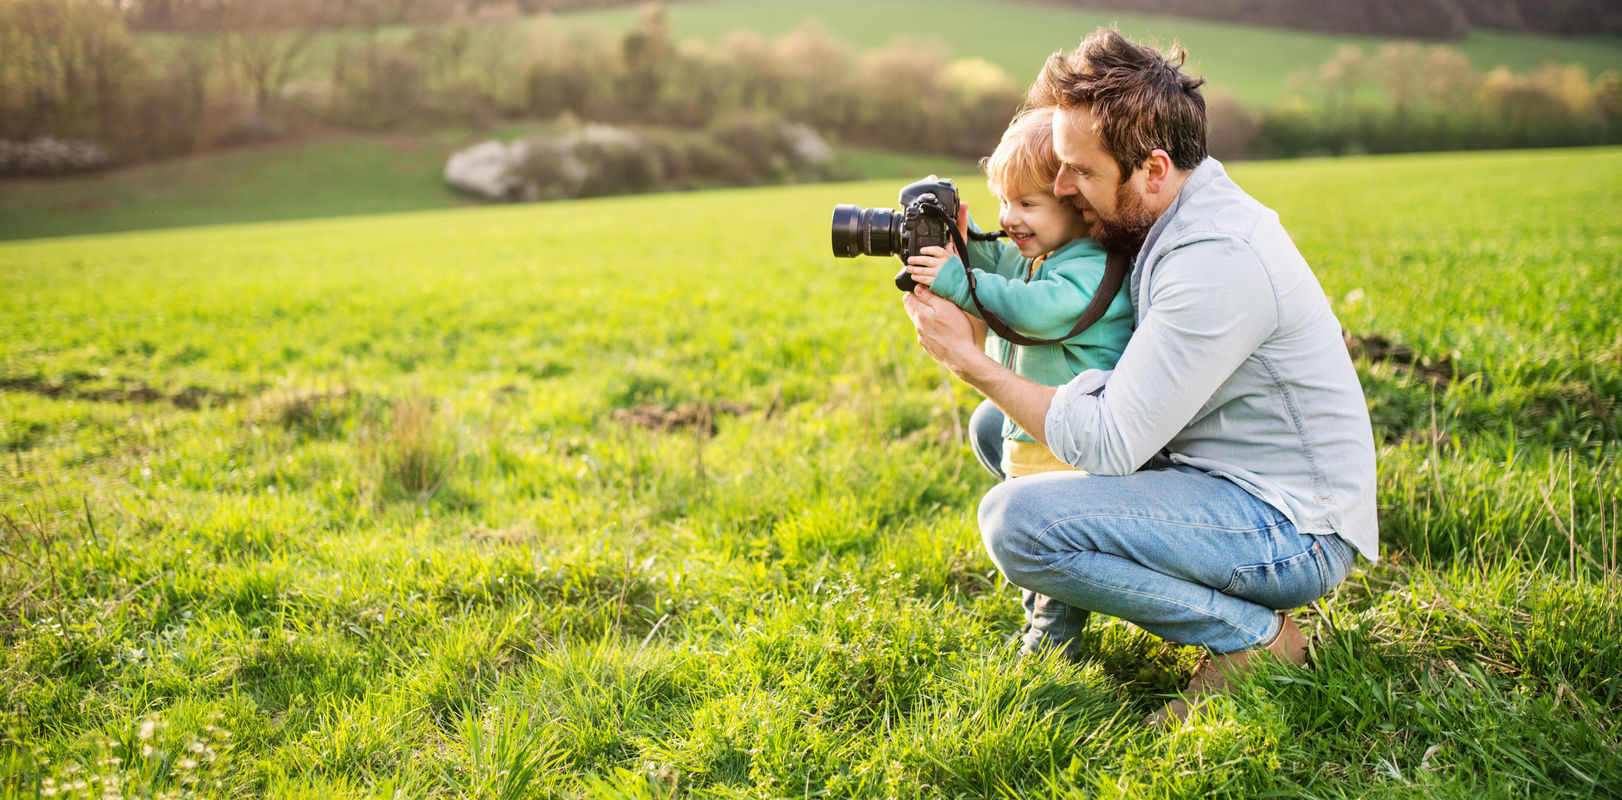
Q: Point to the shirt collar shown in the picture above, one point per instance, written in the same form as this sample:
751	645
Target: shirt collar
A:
1207	171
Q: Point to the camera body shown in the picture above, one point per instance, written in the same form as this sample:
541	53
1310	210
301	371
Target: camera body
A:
928	212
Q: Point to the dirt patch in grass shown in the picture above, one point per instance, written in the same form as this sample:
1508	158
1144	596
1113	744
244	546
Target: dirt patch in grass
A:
402	143
513	534
966	577
1374	347
317	412
83	386
93	203
699	417
1576	404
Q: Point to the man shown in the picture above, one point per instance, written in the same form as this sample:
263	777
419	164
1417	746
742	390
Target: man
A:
1230	454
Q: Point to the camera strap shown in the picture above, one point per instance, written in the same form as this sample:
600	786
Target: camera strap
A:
1116	267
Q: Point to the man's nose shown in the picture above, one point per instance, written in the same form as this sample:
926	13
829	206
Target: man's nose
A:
1062	186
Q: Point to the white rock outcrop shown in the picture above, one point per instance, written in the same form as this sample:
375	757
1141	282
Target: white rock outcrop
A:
485	170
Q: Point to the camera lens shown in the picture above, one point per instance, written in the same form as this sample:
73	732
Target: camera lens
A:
861	231
847	231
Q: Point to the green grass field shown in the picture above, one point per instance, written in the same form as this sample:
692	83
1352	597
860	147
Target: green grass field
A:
1249	62
651	497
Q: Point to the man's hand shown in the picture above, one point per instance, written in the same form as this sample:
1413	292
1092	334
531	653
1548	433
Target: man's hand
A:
944	330
947	334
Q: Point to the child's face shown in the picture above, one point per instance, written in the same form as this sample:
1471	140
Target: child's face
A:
1037	222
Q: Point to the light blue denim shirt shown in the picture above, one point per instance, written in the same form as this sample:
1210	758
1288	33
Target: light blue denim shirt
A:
1237	368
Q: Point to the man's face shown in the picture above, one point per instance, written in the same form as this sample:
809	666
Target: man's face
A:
1116	212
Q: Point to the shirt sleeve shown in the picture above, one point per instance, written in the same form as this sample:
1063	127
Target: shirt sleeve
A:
1045	307
1211	306
987	252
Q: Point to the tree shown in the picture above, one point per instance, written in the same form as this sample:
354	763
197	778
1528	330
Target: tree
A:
1608	96
67	68
1446	81
646	52
264	41
982	100
1398	67
1341	75
901	101
815	72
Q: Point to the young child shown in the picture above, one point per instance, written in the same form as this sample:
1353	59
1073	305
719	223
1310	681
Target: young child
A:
1038	281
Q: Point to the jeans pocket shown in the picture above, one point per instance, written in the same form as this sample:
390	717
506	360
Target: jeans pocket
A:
1290	583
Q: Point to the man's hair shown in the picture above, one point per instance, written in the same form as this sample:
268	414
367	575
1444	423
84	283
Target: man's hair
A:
1141	99
1024	161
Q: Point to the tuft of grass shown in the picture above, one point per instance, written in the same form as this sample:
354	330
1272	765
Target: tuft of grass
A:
409	450
307	412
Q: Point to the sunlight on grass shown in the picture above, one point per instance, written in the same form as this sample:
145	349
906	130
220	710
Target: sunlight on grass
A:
653	497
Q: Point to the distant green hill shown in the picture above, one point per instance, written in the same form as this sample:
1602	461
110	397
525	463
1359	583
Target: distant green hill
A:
1251	62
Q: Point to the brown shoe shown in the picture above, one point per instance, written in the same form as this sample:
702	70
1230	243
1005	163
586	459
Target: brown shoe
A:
1217	672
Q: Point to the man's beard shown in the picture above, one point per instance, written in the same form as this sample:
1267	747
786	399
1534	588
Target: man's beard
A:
1126	232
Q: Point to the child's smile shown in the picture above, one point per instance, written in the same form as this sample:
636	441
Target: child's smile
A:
1038	223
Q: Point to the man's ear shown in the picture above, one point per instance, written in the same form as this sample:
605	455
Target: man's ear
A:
1157	170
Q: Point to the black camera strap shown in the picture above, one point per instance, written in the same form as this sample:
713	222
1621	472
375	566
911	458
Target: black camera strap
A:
1116	267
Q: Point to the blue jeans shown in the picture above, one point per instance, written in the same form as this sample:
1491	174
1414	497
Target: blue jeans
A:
1185	555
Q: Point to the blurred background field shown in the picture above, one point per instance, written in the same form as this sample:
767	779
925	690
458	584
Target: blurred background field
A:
1250	62
650	496
322	178
119	116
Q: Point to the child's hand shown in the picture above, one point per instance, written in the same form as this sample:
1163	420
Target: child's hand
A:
927	264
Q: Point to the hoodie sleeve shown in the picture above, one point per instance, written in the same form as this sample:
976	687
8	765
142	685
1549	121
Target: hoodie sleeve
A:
1044	307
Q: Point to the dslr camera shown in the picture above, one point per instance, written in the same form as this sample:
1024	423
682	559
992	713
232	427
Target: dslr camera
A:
928	215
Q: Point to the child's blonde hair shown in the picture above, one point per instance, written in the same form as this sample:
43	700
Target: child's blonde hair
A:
1024	161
